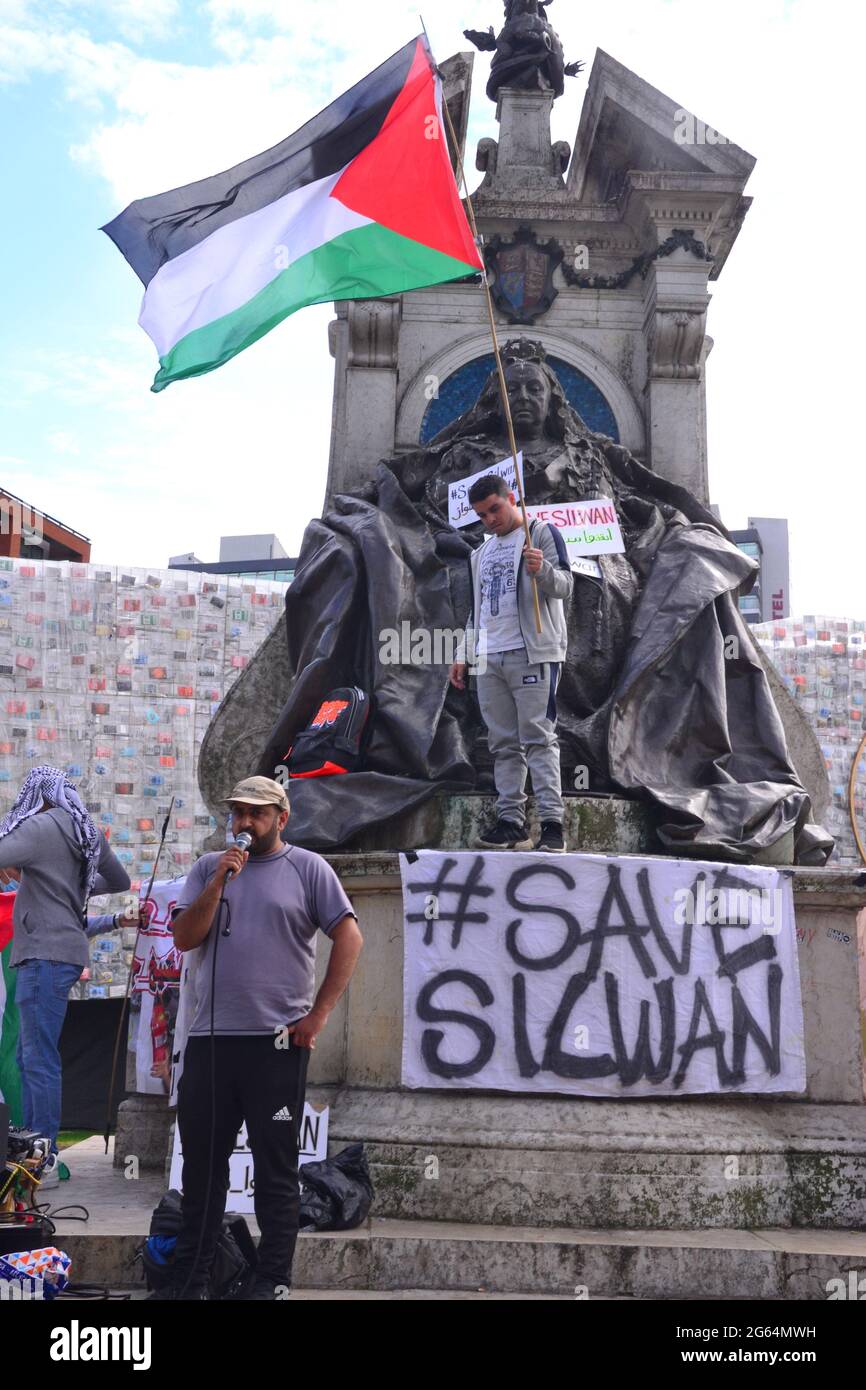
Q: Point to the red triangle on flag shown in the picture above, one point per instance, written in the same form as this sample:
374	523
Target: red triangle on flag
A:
403	180
7	905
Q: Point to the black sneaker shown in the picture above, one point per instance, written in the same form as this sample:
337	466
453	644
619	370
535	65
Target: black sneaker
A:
551	840
505	834
264	1290
172	1294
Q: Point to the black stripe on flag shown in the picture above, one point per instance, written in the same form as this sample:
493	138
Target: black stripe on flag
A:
154	230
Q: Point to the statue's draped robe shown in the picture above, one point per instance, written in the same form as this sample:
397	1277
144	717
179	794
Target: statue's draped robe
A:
662	696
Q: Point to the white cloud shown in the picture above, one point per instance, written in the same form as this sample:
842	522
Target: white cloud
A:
63	443
163	474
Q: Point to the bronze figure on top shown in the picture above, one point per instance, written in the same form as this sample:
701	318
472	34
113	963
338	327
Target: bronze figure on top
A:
529	53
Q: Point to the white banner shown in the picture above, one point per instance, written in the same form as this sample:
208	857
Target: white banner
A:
242	1179
588	528
599	976
156	979
460	510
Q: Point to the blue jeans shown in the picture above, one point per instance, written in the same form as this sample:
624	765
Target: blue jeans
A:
41	994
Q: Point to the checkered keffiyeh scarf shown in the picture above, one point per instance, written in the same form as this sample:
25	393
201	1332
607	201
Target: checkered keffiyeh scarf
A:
51	785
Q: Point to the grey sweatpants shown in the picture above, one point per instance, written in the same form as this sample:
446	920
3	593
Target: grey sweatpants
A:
518	705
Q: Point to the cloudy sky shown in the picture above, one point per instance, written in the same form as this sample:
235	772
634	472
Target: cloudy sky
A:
104	101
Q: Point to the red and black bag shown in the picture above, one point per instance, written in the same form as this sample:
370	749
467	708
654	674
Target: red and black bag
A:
335	739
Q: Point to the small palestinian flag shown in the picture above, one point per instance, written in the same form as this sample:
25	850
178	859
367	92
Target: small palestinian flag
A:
361	202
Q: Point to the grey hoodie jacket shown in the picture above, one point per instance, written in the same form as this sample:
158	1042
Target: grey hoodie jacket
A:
554	587
48	920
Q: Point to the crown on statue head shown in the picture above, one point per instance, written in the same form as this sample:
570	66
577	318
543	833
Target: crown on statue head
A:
523	350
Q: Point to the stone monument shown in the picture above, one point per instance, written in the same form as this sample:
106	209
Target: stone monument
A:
606	256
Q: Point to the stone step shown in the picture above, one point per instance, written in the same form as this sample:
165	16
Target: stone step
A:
686	1164
601	824
446	1259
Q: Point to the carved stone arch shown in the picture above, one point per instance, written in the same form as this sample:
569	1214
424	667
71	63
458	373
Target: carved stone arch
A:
442	365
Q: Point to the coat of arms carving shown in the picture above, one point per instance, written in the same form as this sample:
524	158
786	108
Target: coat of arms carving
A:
521	275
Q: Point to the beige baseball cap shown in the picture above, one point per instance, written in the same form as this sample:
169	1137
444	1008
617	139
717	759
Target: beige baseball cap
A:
260	791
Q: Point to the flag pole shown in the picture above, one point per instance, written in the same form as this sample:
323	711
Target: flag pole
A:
503	387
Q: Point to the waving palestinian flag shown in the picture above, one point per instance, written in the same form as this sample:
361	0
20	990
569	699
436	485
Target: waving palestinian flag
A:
360	202
10	1080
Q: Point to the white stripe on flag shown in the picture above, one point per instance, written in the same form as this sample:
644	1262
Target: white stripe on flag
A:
229	268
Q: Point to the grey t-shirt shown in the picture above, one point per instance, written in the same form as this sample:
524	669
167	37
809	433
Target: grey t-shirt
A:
48	914
266	966
500	558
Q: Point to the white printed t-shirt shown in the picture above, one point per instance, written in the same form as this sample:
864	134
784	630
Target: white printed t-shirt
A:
498	566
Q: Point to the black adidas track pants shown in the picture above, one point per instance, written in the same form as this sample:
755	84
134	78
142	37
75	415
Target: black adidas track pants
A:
264	1085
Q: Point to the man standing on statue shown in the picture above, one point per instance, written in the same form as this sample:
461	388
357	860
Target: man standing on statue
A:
517	679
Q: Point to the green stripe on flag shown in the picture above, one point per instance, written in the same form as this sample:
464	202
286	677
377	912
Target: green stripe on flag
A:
365	263
10	1078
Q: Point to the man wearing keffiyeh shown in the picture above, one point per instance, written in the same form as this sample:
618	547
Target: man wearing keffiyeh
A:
50	843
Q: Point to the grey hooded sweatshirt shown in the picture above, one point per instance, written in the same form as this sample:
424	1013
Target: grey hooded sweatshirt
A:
49	907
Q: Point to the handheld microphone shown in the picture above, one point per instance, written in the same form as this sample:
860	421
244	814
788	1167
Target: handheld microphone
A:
242	842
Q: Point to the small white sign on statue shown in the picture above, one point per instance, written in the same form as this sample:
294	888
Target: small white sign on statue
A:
588	528
460	510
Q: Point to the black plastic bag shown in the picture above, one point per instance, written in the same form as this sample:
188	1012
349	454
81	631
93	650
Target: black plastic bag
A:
336	1195
234	1261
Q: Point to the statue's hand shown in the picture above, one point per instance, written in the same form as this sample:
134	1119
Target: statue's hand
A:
485	42
572	69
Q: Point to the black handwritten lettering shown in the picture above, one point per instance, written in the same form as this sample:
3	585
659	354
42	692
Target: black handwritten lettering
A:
616	897
572	939
640	1064
679	964
762	948
745	1026
471	888
633	1040
526	1063
563	1063
432	1037
715	1038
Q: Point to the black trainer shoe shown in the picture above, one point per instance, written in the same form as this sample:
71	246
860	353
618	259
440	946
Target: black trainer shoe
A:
505	834
172	1294
551	840
263	1291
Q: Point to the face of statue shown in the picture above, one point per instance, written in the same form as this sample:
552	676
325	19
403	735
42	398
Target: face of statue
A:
529	394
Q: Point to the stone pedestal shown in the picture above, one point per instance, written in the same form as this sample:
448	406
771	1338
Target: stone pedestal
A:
143	1124
591	823
674	1163
524	160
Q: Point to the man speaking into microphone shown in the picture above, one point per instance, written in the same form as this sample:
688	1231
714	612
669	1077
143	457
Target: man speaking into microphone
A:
256	911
